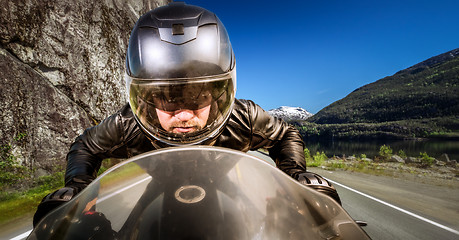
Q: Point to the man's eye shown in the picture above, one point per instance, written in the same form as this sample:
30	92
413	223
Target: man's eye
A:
168	112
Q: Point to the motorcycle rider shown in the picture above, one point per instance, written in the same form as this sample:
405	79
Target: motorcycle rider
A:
181	82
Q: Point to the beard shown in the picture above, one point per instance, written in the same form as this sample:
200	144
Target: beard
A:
190	126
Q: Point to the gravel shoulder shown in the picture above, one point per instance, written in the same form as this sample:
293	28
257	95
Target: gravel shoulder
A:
429	196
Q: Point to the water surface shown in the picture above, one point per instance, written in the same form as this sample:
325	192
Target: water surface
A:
434	148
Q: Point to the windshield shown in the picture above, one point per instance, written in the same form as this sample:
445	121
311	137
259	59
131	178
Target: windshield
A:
197	193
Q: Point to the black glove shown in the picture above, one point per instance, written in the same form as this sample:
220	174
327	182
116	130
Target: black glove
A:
93	225
52	201
318	183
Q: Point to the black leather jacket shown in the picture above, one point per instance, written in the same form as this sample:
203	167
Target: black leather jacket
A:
249	128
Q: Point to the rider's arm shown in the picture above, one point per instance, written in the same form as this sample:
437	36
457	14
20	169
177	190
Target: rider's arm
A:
105	140
283	141
116	137
285	146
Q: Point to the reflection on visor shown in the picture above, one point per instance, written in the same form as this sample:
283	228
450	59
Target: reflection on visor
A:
147	96
192	96
177	103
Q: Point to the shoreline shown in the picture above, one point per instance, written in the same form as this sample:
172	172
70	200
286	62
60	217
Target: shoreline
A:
436	174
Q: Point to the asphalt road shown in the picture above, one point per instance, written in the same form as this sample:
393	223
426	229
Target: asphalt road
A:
392	211
398	211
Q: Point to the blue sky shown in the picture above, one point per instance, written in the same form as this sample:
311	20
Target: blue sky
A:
310	54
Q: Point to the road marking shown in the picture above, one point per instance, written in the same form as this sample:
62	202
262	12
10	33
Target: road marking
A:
397	208
22	236
122	189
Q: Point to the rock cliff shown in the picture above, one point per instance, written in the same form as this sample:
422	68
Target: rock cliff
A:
62	67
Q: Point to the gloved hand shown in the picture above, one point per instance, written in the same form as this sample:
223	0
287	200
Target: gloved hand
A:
93	225
52	201
318	183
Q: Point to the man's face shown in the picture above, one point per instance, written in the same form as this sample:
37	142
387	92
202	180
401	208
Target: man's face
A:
183	120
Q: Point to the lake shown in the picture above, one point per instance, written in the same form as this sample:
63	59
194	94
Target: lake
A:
434	148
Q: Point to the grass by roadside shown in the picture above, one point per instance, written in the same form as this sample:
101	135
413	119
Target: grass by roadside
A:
422	168
120	175
17	203
18	199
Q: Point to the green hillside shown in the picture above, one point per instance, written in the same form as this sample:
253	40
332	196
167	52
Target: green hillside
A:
421	101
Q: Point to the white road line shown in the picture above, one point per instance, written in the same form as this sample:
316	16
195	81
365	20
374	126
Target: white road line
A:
22	236
26	234
122	189
397	208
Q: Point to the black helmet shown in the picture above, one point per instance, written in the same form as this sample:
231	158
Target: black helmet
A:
180	58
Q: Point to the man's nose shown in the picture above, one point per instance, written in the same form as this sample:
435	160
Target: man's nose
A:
184	115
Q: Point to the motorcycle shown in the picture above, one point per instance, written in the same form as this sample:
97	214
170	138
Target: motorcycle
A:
197	192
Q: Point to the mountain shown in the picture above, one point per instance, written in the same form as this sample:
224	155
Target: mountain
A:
421	101
429	89
290	113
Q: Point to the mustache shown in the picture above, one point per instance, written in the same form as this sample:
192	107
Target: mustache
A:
193	123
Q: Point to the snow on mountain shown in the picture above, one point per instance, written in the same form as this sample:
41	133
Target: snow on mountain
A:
290	113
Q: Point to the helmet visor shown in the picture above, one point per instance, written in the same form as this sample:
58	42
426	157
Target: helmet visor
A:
158	103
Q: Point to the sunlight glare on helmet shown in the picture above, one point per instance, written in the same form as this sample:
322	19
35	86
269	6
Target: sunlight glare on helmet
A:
207	44
155	53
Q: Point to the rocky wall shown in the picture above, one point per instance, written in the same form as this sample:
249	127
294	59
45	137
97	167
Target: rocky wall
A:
61	71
